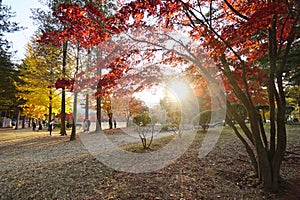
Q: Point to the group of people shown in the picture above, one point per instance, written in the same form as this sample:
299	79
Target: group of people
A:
87	124
42	124
39	123
50	125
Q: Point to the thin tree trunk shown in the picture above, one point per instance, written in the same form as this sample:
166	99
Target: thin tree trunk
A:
98	98
264	166
87	106
263	133
264	115
281	144
110	120
74	121
63	113
127	120
99	115
248	148
50	106
50	95
63	94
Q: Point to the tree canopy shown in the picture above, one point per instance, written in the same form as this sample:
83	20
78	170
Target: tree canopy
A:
40	70
235	35
9	73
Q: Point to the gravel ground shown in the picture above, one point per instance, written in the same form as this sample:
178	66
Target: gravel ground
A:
34	165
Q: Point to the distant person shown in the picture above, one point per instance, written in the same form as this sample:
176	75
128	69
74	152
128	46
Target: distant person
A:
51	126
40	126
14	122
44	123
88	124
115	123
33	125
85	126
68	125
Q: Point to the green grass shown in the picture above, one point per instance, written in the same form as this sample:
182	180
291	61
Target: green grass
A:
156	145
227	132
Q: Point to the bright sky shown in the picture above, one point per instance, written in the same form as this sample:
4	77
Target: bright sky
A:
151	97
21	38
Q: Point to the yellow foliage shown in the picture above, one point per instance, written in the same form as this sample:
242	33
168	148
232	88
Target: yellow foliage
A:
38	73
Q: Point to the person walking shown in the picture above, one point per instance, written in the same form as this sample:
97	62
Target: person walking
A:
33	125
51	126
88	125
40	125
85	126
115	123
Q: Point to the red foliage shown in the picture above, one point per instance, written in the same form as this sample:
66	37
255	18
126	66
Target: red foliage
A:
238	33
69	116
85	24
65	83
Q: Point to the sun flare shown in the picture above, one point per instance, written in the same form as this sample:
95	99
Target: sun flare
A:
179	89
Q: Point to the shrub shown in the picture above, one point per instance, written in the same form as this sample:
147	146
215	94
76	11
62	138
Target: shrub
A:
203	119
142	119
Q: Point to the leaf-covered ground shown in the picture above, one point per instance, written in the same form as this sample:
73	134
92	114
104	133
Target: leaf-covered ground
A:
34	165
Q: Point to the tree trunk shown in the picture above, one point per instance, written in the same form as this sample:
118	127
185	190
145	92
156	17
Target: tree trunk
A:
50	106
87	106
99	115
63	113
74	121
264	115
281	146
110	120
98	98
248	147
127	120
63	93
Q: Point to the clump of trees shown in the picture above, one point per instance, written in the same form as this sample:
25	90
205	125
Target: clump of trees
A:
10	104
143	128
236	35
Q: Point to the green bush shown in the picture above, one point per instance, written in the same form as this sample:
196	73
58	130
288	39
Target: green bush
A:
142	119
203	119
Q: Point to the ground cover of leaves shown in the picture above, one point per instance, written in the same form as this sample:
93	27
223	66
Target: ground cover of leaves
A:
34	165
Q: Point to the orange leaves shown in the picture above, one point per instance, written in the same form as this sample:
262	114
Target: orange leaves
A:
196	33
138	17
84	24
248	37
237	29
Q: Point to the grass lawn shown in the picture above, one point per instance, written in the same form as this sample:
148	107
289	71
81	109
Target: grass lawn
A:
34	165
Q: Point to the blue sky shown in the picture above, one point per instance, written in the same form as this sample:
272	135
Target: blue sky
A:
22	11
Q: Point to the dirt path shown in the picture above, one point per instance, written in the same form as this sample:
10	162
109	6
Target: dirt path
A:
34	165
18	146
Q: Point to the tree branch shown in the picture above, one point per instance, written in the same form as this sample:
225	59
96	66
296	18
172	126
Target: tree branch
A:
235	11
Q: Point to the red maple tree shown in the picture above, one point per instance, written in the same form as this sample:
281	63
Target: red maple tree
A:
236	35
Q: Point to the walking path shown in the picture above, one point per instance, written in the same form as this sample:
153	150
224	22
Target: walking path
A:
24	146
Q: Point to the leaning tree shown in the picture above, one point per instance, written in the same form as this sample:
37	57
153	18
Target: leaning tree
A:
236	35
